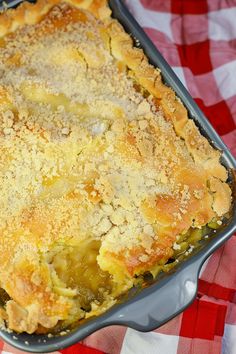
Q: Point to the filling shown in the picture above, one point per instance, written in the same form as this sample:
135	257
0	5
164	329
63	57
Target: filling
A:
75	273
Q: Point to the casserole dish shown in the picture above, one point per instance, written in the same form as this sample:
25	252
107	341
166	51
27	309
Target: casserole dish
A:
183	279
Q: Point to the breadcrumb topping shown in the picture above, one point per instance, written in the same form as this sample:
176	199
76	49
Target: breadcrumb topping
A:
88	154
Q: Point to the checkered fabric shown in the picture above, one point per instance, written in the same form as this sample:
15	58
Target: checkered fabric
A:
198	39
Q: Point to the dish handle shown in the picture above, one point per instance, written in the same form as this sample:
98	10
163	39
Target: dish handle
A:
161	302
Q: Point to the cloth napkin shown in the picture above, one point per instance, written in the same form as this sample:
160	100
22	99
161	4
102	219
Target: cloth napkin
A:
198	39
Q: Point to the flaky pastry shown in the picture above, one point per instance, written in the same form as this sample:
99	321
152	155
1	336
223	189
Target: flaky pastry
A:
103	175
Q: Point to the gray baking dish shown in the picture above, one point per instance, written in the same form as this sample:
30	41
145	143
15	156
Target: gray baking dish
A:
170	293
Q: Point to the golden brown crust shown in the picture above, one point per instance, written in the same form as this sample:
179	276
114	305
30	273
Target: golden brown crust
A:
150	79
28	13
221	196
112	166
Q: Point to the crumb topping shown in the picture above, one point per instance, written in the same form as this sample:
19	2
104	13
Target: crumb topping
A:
86	155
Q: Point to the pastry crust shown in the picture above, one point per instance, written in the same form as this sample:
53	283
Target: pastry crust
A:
102	171
30	14
150	79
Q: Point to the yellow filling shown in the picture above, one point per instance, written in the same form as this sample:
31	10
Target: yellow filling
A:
75	273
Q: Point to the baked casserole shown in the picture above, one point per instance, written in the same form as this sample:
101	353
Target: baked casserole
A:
104	178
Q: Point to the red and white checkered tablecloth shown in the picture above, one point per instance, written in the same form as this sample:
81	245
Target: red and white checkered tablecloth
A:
198	39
